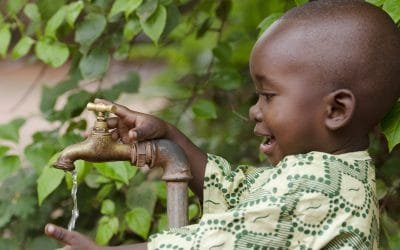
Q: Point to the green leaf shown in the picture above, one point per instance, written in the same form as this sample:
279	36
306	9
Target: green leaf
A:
104	192
90	29
51	94
129	85
14	6
139	221
392	7
107	207
376	2
268	21
126	6
48	8
73	11
55	22
193	210
154	26
76	103
8	165
5	38
131	29
301	2
49	179
162	223
143	195
22	47
54	53
39	153
391	126
3	150
147	9
31	10
10	131
223	52
95	64
226	79
113	171
108	226
204	109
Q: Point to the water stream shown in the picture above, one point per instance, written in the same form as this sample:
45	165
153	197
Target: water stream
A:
75	211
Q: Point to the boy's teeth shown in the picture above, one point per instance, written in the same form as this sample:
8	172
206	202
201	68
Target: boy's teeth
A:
268	139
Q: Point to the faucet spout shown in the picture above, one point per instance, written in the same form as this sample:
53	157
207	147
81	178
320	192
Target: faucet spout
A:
98	147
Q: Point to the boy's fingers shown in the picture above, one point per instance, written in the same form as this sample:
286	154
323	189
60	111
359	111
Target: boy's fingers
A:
112	122
120	111
59	233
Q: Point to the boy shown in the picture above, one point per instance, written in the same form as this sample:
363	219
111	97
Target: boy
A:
326	73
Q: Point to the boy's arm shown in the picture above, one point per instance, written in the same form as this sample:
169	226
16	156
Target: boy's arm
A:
135	126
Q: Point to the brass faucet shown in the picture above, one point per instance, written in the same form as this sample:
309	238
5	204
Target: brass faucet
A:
98	147
101	147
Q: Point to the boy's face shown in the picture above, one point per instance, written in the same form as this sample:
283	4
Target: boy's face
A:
289	111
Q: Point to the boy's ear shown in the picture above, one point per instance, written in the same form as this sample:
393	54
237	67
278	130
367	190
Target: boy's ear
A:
340	108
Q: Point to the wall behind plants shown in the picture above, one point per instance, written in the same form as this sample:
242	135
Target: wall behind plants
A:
205	45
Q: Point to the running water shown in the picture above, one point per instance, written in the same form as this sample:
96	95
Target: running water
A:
75	211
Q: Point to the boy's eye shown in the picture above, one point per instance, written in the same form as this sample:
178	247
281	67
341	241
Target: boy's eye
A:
267	96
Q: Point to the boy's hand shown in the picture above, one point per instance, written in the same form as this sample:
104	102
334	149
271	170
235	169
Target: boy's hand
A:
135	126
73	240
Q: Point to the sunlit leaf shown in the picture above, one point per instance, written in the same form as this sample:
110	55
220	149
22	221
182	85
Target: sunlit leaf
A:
49	179
162	223
90	29
95	64
126	6
392	7
139	221
5	38
204	109
391	126
73	11
53	53
154	25
22	47
104	192
131	29
31	10
147	9
376	2
14	6
109	170
3	150
193	210
107	227
55	22
10	130
107	207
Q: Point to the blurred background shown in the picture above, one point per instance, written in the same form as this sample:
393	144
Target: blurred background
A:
183	60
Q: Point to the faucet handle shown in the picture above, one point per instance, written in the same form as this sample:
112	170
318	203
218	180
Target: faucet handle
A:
100	107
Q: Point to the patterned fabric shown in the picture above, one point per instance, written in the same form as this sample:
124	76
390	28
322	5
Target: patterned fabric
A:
308	201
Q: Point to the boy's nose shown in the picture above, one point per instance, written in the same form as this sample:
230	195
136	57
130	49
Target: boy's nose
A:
255	114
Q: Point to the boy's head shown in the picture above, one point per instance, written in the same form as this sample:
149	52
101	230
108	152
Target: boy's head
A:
326	74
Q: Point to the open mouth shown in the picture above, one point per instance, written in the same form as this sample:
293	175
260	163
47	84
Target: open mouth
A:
267	144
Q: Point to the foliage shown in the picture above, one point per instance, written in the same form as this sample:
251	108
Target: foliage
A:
204	46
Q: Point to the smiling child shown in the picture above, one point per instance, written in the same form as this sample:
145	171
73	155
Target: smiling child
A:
325	73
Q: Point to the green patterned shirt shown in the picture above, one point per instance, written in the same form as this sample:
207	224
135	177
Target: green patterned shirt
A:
308	201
